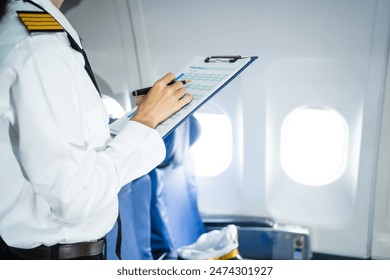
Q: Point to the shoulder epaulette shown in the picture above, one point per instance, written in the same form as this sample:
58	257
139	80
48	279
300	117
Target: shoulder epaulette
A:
39	22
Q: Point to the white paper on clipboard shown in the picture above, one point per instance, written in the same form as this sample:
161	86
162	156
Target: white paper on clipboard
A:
207	78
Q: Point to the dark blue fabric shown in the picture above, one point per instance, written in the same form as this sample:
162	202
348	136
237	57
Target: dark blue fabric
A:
194	130
175	218
159	211
134	208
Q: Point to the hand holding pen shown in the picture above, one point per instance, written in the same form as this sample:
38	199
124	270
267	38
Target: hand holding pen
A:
162	100
143	91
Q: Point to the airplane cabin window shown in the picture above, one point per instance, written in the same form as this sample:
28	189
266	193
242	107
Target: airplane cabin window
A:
314	145
114	109
212	152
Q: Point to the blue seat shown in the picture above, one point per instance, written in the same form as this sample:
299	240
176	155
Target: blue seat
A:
175	219
158	212
130	237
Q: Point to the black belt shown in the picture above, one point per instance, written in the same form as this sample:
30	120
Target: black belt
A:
61	251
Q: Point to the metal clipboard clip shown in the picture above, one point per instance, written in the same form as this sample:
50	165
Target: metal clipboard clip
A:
223	58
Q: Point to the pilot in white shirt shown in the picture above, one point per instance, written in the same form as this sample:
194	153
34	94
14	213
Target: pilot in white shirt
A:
60	171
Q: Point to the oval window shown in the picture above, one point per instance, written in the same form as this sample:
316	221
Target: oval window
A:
314	145
212	152
114	109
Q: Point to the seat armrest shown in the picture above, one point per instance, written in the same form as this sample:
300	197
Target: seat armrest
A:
263	239
240	221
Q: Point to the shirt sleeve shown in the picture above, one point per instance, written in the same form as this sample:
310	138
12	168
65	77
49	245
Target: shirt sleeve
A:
64	148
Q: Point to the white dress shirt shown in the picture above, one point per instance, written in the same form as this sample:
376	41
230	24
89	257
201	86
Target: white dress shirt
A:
60	171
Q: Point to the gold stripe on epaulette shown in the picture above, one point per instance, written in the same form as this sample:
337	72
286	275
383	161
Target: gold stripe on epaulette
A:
34	14
39	22
44	28
36	24
33	19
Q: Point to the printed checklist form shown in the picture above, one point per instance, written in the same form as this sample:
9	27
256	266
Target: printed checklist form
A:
208	76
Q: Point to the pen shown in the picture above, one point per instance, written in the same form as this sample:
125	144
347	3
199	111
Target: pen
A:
144	91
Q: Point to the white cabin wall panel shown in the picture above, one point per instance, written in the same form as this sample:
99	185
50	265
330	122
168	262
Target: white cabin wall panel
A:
106	33
311	53
172	42
322	53
381	223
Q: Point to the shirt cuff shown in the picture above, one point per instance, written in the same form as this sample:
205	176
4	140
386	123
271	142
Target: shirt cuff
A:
138	149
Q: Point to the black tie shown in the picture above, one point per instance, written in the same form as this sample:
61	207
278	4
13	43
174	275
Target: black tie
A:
87	66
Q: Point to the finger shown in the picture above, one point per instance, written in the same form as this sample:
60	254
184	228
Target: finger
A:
139	99
183	82
180	92
177	86
180	85
187	98
168	78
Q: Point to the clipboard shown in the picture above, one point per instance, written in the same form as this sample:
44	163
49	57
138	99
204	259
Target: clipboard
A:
208	77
